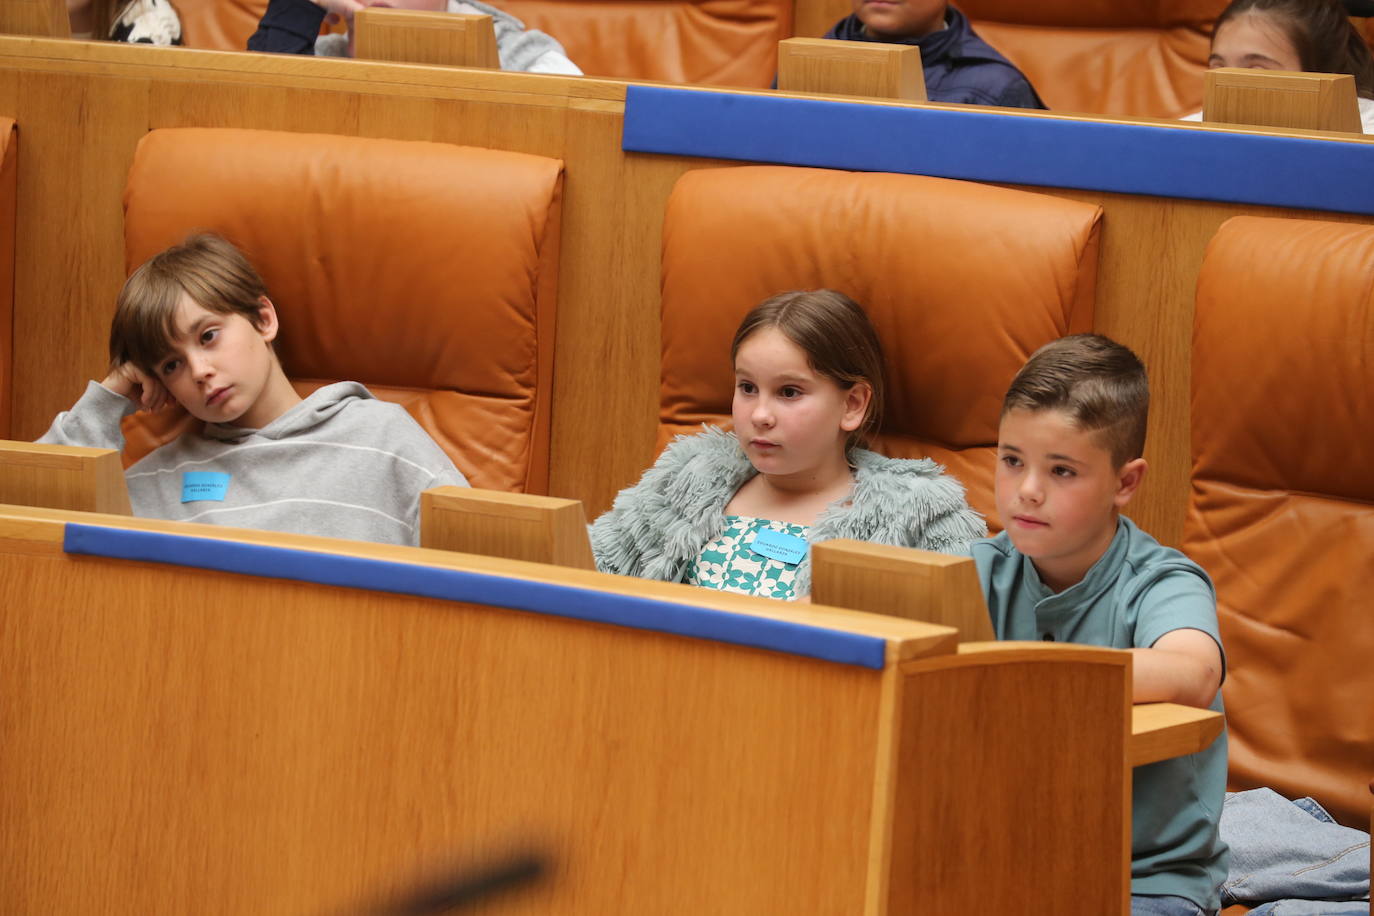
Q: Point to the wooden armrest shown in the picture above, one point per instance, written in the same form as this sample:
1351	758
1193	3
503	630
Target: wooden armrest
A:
901	582
513	526
1160	731
63	477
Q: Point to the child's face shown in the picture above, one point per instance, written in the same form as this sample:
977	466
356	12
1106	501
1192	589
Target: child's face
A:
220	365
789	418
884	19
1253	40
1058	492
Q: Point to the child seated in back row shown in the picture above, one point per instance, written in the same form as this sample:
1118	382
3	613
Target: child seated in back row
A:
1069	567
738	512
959	66
194	325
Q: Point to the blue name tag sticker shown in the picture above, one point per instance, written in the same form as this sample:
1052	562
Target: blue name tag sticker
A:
775	545
199	486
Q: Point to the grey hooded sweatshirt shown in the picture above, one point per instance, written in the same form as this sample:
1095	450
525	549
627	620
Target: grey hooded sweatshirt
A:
340	463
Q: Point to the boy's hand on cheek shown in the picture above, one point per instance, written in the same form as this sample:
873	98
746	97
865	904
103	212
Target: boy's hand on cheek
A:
138	386
340	9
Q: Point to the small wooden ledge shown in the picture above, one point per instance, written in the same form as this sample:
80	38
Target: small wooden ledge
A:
1161	731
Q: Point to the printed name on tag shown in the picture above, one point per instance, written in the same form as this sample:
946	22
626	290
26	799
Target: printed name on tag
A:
775	545
198	486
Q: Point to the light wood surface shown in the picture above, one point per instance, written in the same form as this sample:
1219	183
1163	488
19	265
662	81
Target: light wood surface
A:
851	68
1051	712
1160	731
915	584
9	189
516	526
82	107
1275	98
63	477
417	37
177	735
46	18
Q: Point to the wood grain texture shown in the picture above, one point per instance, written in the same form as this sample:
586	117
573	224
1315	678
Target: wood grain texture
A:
848	68
63	477
9	189
1160	731
1033	736
1272	98
914	584
417	37
177	736
46	18
516	526
83	105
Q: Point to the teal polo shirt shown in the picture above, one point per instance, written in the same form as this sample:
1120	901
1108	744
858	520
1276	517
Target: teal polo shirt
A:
1138	591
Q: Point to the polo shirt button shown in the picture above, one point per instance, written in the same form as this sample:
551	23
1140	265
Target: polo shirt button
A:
1048	637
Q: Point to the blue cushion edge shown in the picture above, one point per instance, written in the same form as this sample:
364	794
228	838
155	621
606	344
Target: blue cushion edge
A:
479	588
978	145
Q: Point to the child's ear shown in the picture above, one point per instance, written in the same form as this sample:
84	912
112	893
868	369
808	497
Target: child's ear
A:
856	401
267	319
1128	480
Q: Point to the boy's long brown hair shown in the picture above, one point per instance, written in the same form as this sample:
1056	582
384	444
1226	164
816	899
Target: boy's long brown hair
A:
1099	383
205	267
838	339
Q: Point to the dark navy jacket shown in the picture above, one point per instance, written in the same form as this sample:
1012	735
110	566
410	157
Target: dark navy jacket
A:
959	66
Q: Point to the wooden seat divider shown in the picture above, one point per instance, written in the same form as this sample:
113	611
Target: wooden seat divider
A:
62	477
418	37
1266	98
864	69
513	526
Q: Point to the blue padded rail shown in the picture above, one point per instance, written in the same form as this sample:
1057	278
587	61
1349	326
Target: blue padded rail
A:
1296	172
477	588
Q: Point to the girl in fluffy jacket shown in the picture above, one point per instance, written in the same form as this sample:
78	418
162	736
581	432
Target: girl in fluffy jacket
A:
738	511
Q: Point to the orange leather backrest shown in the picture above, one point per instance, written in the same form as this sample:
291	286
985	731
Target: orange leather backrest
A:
9	190
962	282
425	271
1281	512
219	25
707	42
1132	57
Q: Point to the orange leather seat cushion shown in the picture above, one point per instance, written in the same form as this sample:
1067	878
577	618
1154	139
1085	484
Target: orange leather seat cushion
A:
426	271
962	281
1133	57
711	42
1282	506
219	25
9	190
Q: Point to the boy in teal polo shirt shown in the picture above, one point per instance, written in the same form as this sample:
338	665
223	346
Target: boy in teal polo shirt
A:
1070	568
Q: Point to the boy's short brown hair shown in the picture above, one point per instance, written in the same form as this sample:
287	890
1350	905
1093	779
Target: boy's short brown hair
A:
835	334
1099	383
205	267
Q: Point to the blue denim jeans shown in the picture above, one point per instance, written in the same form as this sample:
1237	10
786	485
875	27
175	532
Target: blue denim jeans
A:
1292	858
1160	905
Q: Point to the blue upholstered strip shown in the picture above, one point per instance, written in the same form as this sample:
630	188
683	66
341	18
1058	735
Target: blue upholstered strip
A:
1295	172
478	588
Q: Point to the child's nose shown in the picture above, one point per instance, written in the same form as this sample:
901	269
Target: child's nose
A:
763	413
1030	489
198	365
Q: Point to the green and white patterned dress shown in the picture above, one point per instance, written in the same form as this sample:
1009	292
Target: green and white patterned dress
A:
730	564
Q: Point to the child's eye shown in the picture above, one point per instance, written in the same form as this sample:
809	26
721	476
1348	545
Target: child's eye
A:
1062	471
170	366
790	391
745	387
208	335
1011	461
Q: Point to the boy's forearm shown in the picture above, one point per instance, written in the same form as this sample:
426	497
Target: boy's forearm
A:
1162	676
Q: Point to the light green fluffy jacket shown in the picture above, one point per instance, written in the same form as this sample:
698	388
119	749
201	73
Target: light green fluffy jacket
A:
656	528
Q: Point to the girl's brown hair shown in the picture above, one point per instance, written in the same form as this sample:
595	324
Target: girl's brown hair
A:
1321	33
205	267
838	339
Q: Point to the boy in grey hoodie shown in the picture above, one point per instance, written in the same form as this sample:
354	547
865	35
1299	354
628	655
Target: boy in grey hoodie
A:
194	325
